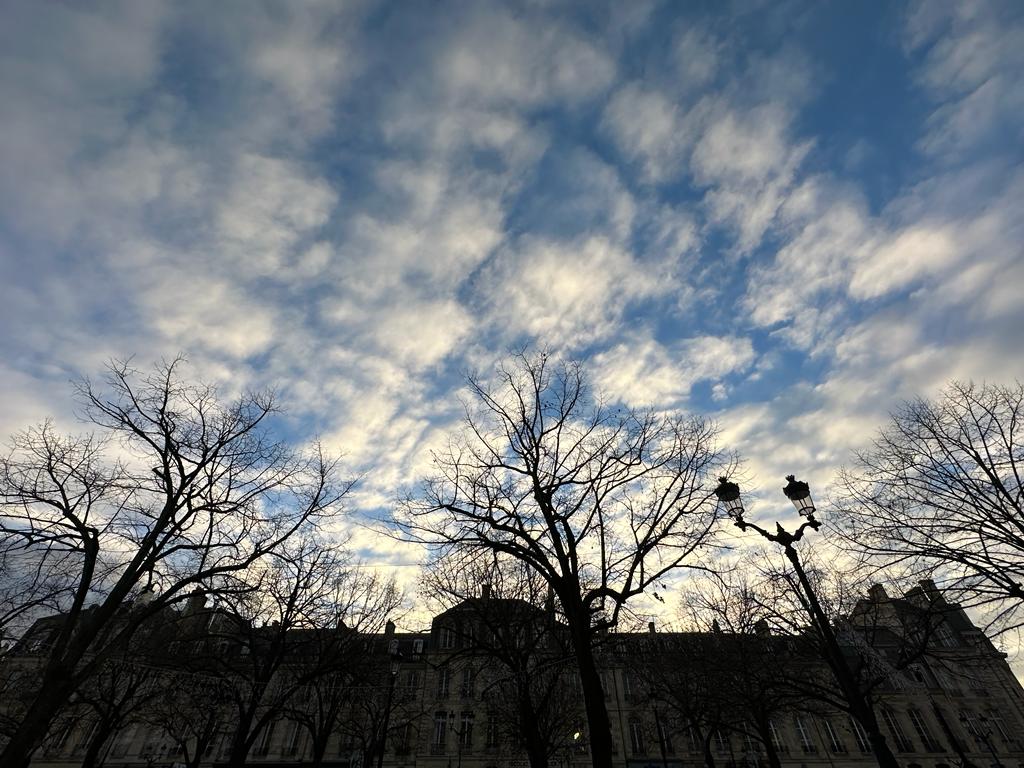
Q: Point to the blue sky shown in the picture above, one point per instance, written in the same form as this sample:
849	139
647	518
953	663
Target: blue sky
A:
788	216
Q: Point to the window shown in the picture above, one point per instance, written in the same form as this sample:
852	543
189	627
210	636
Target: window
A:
292	739
693	742
636	737
835	744
417	646
858	733
447	637
493	731
412	680
57	743
440	729
777	741
968	721
721	742
999	725
627	682
466	730
664	738
466	688
268	736
443	682
403	740
393	647
921	728
903	744
751	745
803	734
946	637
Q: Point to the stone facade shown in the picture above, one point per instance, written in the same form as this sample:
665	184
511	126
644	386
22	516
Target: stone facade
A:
445	705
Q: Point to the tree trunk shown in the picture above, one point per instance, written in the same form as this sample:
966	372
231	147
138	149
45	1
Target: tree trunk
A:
865	715
598	723
99	739
883	755
765	731
241	742
319	746
536	744
54	692
709	757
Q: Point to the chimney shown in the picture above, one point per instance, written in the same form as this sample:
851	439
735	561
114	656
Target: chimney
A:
930	589
878	594
196	601
485	591
389	629
650	627
761	628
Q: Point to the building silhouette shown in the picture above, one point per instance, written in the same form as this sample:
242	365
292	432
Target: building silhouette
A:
489	670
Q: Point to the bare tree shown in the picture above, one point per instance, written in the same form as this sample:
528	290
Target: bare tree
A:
510	638
599	502
297	628
198	493
849	650
189	711
749	671
940	494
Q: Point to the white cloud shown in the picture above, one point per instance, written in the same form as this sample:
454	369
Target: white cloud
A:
972	71
565	293
906	257
271	205
643	372
650	130
499	59
749	163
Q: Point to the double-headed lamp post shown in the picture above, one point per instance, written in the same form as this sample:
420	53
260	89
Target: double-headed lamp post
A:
799	493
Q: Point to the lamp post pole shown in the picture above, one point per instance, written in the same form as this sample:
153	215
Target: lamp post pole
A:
393	677
799	493
460	734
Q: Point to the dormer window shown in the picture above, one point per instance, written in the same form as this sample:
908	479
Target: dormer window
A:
447	637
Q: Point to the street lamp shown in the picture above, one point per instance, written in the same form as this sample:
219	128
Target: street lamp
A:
460	735
396	658
982	734
571	747
799	493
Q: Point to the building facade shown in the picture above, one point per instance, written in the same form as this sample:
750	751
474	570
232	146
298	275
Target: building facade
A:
464	693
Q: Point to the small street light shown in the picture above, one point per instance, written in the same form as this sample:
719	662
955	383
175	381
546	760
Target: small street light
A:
982	733
729	494
800	494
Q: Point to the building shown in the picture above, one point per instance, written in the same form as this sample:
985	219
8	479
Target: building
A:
488	671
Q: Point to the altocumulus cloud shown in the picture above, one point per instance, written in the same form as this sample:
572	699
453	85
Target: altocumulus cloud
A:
787	219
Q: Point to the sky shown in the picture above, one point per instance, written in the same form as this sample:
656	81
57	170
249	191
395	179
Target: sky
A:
786	216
